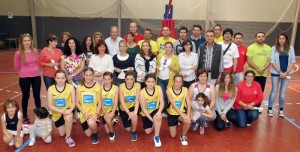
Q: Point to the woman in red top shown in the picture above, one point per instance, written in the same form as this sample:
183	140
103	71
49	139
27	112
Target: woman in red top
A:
50	60
249	95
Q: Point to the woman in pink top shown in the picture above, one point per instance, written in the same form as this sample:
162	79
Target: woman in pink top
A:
249	96
50	60
27	64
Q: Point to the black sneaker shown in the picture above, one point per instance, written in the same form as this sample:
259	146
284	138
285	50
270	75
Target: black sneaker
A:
133	136
26	120
112	136
228	124
95	139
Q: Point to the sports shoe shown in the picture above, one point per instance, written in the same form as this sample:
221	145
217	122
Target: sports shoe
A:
115	120
31	142
270	113
195	127
281	113
183	140
202	130
70	142
112	136
248	125
26	120
12	142
164	115
157	142
205	125
228	124
95	138
133	136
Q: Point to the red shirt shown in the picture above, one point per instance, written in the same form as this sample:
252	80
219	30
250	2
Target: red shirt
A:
242	59
137	38
45	57
248	94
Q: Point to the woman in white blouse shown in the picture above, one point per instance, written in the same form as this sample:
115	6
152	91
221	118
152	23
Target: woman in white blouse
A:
101	61
145	62
188	62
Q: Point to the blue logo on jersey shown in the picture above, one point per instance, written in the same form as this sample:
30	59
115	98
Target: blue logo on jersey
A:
151	105
130	98
108	102
178	104
60	102
88	99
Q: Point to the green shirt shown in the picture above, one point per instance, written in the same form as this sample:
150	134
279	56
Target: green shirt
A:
260	55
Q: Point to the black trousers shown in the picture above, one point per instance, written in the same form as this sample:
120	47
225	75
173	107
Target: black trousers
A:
25	83
262	81
220	124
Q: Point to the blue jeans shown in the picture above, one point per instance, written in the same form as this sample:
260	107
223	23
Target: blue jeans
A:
48	81
275	85
238	77
245	117
163	84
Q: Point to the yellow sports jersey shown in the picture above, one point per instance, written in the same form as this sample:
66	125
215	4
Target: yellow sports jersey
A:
218	39
153	44
161	43
129	95
151	101
61	99
108	97
89	97
179	99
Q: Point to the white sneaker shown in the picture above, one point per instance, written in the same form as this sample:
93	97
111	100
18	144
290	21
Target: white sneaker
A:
157	142
70	142
202	130
183	140
12	142
164	115
115	120
248	125
270	113
31	142
281	113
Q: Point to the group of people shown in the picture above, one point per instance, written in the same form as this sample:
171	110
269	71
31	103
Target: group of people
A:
190	81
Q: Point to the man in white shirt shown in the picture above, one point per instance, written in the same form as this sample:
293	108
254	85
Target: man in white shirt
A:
112	42
230	51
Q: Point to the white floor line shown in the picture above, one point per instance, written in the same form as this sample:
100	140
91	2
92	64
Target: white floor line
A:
294	89
10	85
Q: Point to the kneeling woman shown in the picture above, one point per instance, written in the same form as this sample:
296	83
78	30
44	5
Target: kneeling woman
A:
249	95
61	97
88	99
179	109
152	104
109	103
129	98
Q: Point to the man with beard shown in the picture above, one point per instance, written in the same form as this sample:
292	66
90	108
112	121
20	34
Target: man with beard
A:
178	48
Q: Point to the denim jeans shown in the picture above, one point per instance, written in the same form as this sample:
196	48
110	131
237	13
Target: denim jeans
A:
163	84
275	85
48	81
238	77
200	121
245	117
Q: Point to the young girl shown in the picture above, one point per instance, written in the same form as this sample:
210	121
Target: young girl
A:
179	109
152	104
88	98
27	65
129	98
42	126
11	122
109	103
61	97
200	112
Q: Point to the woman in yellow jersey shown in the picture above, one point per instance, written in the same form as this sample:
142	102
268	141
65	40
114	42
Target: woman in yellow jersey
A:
179	108
61	97
152	104
88	99
129	98
109	104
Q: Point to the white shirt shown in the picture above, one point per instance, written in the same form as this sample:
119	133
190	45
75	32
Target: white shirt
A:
113	46
102	64
164	72
231	54
186	62
196	108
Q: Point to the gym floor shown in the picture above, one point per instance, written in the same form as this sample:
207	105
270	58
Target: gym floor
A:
266	134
